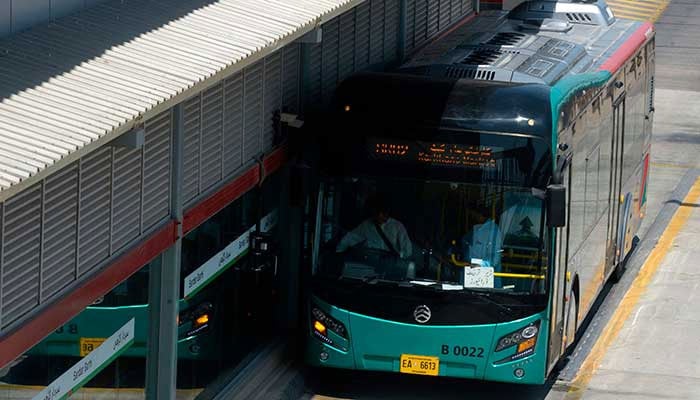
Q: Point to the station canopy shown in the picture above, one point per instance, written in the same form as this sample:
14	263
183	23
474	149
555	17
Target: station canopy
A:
71	85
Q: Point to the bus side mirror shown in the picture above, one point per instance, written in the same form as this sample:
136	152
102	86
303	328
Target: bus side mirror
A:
556	206
299	184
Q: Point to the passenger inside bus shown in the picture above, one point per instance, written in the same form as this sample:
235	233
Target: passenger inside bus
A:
481	246
379	231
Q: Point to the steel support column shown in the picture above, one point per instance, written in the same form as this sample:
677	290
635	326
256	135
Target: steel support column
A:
164	288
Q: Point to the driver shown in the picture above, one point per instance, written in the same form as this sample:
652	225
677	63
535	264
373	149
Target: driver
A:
380	231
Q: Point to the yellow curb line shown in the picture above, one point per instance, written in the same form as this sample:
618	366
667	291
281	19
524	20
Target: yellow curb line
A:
646	274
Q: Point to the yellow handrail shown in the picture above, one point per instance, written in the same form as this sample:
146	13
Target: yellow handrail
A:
520	276
458	263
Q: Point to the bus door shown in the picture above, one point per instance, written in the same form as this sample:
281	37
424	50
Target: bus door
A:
613	250
556	334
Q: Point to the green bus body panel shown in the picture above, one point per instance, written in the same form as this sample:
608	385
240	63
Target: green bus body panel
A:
101	322
376	344
566	88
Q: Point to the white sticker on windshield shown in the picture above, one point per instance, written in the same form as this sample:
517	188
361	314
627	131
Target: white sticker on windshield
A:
478	277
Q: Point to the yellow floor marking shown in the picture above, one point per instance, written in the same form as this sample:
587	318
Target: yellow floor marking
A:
634	5
642	10
629	301
633	15
645	5
624	13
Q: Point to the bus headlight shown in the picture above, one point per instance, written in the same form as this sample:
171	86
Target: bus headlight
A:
323	322
523	336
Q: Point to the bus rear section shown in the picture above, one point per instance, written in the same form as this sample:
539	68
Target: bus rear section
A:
429	241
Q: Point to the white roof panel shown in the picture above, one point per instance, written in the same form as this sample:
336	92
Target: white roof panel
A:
70	86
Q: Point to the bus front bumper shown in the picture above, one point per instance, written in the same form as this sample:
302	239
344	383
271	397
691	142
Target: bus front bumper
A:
462	351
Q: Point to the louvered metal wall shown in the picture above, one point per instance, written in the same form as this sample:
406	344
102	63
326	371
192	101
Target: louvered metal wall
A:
74	220
21	251
366	36
426	18
60	230
231	124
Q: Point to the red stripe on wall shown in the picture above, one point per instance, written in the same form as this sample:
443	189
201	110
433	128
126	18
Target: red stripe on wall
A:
245	182
275	160
217	201
15	343
628	48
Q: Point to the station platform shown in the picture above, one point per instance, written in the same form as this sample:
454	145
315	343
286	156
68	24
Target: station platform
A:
648	347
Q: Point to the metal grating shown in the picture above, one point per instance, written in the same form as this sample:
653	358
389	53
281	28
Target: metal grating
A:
21	253
433	18
362	28
391	30
421	30
346	58
233	123
126	196
290	78
506	39
60	228
95	199
329	58
467	7
312	77
376	32
210	141
445	10
192	111
470	73
253	103
410	39
157	177
272	98
484	56
580	18
456	10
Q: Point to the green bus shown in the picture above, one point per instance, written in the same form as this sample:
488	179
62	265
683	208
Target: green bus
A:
465	210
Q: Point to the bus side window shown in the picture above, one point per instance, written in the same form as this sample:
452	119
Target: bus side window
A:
577	196
591	194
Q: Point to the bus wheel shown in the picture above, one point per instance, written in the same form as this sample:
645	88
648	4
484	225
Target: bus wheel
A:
571	320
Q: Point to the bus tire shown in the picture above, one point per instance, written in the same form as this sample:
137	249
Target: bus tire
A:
571	320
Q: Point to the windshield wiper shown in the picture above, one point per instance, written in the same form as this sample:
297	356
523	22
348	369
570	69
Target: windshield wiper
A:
486	295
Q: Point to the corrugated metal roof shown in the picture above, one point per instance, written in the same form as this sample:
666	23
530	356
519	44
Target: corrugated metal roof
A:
68	87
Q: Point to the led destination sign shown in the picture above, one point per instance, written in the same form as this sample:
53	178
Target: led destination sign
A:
433	153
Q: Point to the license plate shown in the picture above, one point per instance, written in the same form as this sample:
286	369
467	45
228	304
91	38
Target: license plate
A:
420	365
89	344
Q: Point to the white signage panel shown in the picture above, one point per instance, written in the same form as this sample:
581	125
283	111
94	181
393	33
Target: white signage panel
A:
208	271
85	369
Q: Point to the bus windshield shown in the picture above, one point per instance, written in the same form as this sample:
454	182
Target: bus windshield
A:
445	236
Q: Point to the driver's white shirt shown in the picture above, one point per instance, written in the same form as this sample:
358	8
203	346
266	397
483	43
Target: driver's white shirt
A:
367	232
